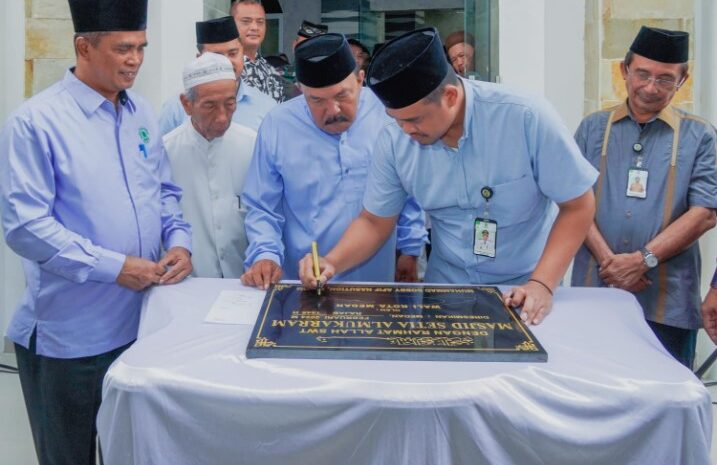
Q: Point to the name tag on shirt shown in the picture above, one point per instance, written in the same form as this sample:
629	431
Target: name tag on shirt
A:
485	237
637	183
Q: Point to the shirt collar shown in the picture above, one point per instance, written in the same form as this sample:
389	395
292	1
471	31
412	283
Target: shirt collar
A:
668	115
88	98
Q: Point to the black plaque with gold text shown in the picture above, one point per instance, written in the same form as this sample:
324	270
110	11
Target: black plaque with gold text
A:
354	321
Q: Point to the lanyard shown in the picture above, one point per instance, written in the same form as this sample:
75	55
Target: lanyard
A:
487	193
666	214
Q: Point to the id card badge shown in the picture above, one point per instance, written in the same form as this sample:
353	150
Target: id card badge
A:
637	183
485	237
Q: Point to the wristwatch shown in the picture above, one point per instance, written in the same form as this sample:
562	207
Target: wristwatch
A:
648	258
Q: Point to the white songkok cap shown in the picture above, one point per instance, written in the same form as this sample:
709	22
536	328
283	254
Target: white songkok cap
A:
208	67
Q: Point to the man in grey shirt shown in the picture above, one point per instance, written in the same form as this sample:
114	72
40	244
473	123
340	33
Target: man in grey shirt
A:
644	240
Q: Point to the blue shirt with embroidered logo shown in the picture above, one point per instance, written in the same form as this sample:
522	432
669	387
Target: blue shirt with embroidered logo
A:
252	107
84	184
514	144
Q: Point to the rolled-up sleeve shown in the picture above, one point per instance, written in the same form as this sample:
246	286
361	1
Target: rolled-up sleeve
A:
562	171
411	232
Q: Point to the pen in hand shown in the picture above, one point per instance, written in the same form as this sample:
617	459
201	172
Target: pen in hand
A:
317	270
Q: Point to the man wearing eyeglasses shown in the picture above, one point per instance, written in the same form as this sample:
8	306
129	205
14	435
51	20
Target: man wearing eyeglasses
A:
646	242
251	22
221	36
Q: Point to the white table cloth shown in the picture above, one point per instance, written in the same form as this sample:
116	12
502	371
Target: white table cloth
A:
185	393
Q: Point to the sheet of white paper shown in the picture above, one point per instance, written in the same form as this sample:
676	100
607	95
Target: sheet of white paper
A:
236	307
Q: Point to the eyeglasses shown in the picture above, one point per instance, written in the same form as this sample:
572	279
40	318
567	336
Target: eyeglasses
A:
643	77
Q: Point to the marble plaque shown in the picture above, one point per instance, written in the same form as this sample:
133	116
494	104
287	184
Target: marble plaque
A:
393	321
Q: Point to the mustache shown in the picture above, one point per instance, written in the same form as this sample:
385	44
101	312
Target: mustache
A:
650	98
336	119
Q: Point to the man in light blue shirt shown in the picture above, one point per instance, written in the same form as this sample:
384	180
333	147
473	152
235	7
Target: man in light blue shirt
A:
477	157
88	203
308	173
221	36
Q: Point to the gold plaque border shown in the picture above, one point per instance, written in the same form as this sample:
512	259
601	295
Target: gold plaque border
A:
529	345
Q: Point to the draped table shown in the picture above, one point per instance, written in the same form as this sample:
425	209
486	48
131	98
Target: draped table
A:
185	393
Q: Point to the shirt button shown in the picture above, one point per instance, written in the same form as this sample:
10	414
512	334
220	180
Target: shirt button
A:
347	171
628	214
625	242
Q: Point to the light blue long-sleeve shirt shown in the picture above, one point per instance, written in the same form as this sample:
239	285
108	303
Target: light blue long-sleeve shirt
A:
304	184
514	144
82	186
252	106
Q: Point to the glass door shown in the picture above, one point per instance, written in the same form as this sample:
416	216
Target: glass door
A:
468	26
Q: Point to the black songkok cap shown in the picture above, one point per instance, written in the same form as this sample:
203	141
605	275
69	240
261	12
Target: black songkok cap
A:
108	15
662	45
217	31
323	60
408	68
310	30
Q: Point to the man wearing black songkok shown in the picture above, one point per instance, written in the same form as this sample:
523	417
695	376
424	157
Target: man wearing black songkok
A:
309	168
476	157
89	204
220	35
646	241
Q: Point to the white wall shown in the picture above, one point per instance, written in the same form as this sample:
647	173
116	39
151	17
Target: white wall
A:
541	50
171	41
565	58
521	44
12	64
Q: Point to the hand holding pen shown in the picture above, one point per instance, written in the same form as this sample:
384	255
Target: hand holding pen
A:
315	271
315	264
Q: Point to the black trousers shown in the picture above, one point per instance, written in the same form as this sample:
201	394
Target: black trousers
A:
680	343
62	397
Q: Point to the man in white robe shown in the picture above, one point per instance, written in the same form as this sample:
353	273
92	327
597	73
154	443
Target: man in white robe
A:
209	155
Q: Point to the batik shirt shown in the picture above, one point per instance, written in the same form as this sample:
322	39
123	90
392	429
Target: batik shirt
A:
261	75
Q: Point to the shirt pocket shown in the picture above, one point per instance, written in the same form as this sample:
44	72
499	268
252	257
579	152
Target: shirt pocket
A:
515	201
